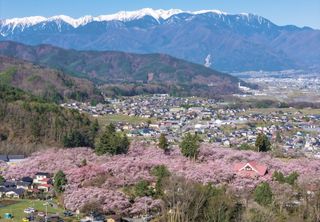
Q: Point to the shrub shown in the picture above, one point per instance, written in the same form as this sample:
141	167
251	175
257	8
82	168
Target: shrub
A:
263	194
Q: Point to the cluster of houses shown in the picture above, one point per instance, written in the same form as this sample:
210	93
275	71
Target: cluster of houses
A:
175	116
308	84
42	182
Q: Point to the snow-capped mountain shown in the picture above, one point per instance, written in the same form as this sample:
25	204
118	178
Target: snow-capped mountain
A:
234	42
123	16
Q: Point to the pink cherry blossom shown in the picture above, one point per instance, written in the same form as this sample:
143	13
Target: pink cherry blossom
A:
214	165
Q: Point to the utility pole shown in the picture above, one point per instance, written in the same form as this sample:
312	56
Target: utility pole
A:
46	204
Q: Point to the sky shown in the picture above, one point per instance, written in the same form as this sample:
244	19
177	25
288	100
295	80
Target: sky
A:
281	12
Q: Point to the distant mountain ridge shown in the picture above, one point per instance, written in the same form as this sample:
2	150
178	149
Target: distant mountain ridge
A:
110	67
238	42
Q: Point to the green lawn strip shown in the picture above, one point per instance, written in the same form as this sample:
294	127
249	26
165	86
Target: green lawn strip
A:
16	208
107	119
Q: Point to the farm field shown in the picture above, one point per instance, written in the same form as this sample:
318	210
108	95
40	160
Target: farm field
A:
107	119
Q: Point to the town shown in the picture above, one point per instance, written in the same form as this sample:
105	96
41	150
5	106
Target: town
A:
297	132
159	111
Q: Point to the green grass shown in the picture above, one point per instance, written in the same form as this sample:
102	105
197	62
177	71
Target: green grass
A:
119	118
16	208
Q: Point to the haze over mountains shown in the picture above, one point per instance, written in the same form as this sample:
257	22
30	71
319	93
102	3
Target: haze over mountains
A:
235	42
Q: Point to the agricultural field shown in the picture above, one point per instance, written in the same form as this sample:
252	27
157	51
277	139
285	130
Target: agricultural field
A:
120	118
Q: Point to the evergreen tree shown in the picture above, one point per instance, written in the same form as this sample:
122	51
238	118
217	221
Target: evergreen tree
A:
124	144
190	145
263	194
262	143
94	128
163	143
76	139
112	142
60	180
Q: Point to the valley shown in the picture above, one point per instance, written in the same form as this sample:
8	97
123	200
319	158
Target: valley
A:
159	115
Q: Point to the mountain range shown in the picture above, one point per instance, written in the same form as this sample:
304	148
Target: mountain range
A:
167	73
227	42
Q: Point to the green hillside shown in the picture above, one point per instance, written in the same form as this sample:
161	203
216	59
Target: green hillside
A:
28	122
51	84
111	67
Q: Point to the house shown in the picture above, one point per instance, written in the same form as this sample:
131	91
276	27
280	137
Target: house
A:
40	176
42	181
251	169
14	193
27	179
23	185
44	187
9	184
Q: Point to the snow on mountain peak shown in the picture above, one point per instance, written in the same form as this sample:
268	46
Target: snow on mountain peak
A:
26	21
71	21
120	16
131	15
209	11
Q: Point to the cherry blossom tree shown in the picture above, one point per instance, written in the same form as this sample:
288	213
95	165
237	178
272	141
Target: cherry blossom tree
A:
214	165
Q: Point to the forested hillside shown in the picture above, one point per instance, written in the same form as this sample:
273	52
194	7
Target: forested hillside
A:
28	123
51	84
110	67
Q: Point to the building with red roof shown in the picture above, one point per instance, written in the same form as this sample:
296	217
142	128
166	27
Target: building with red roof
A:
251	169
42	181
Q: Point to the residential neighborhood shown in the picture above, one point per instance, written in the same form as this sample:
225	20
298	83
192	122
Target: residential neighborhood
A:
295	131
41	183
